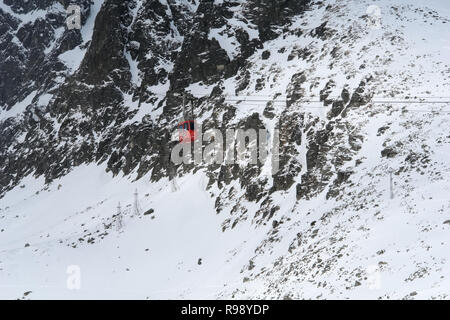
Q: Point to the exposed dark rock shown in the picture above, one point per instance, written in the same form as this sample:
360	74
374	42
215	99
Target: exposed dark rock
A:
389	152
322	32
149	212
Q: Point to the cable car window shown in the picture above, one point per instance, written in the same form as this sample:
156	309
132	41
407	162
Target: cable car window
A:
192	126
186	126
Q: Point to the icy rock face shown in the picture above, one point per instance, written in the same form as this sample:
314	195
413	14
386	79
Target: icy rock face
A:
33	36
135	46
30	54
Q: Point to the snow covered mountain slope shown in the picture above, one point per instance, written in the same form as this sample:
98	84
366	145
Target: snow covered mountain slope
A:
360	100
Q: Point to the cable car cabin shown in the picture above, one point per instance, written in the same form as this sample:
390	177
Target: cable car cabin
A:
191	133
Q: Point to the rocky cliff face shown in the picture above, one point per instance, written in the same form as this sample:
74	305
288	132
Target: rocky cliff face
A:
106	92
320	72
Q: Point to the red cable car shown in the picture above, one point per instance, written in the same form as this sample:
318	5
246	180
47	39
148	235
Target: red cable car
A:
189	133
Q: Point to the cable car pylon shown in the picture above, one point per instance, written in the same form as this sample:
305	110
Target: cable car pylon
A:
119	218
136	206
